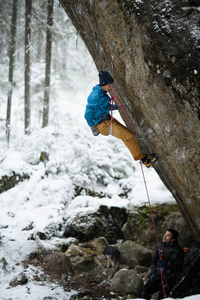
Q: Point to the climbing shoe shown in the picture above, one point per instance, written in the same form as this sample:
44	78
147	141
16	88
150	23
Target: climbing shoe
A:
149	159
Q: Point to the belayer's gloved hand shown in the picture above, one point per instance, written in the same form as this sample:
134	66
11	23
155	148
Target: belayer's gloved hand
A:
161	263
152	278
95	130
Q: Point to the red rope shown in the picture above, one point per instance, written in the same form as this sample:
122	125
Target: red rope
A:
111	108
147	192
161	274
115	95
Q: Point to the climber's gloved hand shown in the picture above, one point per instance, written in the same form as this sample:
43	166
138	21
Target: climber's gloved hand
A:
152	278
161	263
95	130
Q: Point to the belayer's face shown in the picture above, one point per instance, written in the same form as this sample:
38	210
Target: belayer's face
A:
168	237
108	87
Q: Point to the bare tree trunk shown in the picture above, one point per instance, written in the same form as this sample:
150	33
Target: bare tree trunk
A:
11	68
27	105
40	33
48	64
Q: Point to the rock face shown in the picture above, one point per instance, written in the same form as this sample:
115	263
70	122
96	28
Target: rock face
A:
152	48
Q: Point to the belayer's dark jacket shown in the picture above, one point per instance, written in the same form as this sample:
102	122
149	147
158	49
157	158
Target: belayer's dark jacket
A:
172	257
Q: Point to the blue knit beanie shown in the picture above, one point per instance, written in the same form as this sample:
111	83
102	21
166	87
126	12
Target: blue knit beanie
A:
105	78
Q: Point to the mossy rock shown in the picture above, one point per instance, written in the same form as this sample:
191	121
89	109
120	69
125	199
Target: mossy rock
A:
75	250
140	229
98	244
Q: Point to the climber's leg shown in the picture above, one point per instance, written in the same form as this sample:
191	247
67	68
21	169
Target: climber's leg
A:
123	133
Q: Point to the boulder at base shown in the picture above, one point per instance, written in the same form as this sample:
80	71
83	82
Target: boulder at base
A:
98	244
57	265
126	282
130	250
83	259
107	222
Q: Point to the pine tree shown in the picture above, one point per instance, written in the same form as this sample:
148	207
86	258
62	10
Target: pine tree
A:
27	105
11	68
48	64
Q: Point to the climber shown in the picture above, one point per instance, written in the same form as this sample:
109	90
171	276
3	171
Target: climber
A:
97	115
167	264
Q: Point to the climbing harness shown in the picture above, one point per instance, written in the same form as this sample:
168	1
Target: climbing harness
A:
115	95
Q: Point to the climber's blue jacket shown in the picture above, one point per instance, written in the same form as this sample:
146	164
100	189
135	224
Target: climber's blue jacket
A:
98	106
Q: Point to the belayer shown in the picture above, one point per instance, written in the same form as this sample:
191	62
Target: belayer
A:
167	262
97	115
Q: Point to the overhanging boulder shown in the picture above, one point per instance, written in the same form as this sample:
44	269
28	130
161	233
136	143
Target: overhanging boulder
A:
152	48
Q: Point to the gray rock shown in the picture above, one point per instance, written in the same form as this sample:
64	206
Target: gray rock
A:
126	282
106	222
99	275
130	250
141	269
86	263
20	280
57	265
98	244
132	263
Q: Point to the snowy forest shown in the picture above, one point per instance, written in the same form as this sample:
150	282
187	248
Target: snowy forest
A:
35	43
54	172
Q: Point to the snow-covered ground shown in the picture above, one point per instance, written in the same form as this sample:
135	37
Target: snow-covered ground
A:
76	158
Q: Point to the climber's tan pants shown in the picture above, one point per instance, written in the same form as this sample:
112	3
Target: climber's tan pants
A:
123	133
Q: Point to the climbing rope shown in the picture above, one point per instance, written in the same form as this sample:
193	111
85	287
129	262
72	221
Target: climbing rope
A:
115	95
111	108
